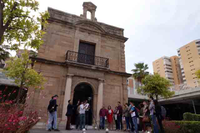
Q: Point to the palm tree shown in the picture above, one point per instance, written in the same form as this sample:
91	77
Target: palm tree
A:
140	72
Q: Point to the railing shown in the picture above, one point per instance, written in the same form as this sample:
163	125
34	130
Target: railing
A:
87	59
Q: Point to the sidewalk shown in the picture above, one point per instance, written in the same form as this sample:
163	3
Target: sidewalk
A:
73	131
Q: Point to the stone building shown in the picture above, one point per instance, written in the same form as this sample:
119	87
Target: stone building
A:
82	59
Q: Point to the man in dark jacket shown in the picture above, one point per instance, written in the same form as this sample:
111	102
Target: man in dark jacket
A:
119	116
159	115
52	111
69	113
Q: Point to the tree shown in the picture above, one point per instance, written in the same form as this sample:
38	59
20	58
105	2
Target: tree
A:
20	70
198	74
18	25
140	72
155	85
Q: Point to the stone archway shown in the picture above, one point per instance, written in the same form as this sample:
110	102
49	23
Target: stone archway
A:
84	91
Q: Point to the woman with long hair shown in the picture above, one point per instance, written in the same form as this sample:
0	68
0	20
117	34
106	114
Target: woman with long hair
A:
110	118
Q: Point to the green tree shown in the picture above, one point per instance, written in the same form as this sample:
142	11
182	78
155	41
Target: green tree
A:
24	75
155	85
140	72
198	74
18	25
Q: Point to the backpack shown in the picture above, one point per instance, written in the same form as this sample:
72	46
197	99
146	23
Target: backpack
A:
163	111
136	111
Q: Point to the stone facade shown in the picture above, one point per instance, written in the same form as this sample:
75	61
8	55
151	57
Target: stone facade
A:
64	33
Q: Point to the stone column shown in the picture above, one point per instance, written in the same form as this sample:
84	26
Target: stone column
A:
99	98
67	95
93	15
84	12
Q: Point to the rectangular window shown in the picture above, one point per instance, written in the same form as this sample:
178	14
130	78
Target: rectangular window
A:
86	53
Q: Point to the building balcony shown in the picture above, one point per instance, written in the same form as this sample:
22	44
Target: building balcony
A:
81	58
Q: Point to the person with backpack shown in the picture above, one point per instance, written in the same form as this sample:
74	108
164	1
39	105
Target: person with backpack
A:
163	112
52	113
153	114
159	115
134	116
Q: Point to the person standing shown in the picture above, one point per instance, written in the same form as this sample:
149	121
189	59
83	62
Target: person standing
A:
152	114
119	116
83	107
110	118
78	115
69	114
130	118
159	115
146	119
134	116
126	115
115	118
87	114
102	114
52	113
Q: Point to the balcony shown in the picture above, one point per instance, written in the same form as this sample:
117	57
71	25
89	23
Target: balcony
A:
76	57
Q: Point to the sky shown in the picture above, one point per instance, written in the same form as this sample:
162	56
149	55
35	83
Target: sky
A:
155	28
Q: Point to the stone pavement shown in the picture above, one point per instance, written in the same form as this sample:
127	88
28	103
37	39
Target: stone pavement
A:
73	131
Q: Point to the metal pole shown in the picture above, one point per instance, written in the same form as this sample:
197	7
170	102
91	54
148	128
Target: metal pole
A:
194	107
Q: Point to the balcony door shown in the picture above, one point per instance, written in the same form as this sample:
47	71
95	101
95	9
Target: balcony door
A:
86	53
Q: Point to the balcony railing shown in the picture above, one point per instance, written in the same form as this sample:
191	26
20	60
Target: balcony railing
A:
87	59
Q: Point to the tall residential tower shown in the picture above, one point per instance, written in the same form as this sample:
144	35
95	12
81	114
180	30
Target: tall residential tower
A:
169	68
189	56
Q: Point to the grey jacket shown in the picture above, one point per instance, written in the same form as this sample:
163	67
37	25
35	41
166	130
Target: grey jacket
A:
152	108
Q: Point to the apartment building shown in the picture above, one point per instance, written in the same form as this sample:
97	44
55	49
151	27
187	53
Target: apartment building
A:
169	68
189	56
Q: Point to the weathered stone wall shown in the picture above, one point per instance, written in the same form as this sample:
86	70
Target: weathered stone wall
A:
55	84
64	32
61	37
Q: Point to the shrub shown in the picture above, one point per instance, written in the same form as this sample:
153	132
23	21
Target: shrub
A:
17	118
191	117
171	127
189	126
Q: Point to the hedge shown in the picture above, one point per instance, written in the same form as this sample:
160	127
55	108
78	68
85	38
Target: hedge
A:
181	126
189	126
191	117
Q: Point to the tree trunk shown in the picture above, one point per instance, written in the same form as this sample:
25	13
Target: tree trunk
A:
19	93
1	21
157	97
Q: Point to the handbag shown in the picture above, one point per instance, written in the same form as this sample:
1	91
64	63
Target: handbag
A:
145	119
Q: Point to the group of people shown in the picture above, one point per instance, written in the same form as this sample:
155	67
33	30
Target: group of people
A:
82	114
143	118
81	109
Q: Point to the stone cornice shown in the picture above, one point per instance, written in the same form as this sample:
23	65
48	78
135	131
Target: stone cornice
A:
73	20
65	64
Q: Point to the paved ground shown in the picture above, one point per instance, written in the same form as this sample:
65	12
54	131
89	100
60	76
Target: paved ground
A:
73	131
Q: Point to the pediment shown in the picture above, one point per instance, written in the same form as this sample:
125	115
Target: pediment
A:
89	25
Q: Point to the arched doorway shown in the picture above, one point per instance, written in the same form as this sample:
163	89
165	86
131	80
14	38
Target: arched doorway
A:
82	92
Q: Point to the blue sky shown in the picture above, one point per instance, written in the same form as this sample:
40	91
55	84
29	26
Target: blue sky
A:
155	28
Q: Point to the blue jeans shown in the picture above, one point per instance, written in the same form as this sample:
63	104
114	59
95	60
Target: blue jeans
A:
82	121
135	124
155	126
127	123
102	122
52	117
